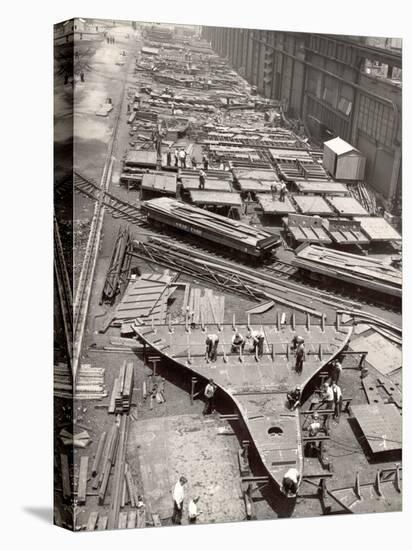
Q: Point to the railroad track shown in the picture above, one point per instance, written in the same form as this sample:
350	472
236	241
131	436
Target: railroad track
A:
290	275
83	290
64	290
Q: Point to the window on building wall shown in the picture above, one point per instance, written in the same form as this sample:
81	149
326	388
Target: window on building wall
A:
376	120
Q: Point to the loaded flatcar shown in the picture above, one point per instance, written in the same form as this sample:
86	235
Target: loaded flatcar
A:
232	234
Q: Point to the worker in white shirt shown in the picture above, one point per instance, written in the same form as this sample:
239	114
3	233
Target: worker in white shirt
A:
327	396
209	394
238	342
258	339
337	399
290	482
193	513
283	190
178	498
182	157
312	447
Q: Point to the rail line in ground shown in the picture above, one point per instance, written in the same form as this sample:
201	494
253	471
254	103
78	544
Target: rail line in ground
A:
64	290
84	286
284	271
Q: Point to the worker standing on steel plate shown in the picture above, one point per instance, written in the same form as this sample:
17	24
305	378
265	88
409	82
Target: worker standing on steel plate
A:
178	498
337	399
296	340
176	158
238	342
258	338
300	357
294	398
192	510
209	394
205	161
311	447
202	179
290	482
212	341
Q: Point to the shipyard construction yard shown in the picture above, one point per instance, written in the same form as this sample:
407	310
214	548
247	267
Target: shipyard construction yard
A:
220	234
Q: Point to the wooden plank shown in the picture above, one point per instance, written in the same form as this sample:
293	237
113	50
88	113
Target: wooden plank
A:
122	520
261	308
131	519
141	518
102	523
82	485
66	485
91	523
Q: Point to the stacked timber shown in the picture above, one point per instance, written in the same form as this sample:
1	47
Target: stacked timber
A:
89	382
362	271
121	398
205	307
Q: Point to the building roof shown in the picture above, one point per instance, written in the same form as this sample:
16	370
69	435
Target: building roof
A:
339	146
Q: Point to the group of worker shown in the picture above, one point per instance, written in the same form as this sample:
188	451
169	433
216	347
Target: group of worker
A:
281	188
255	337
178	503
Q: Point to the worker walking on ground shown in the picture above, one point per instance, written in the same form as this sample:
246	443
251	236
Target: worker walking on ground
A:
337	399
193	512
178	498
290	482
202	179
205	161
209	394
283	190
238	342
294	398
300	357
182	157
212	341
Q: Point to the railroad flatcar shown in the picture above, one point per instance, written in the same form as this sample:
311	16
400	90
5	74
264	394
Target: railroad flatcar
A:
249	241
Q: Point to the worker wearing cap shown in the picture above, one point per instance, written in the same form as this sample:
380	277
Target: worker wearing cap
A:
290	482
178	498
294	397
209	394
212	341
300	357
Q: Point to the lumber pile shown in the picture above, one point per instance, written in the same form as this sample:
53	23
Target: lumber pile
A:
363	271
365	195
89	382
205	306
122	393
